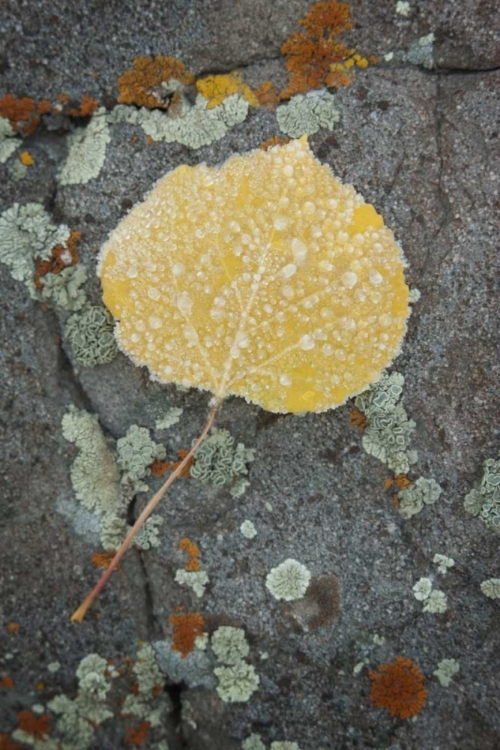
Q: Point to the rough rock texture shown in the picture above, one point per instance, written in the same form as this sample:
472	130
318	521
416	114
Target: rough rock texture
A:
421	146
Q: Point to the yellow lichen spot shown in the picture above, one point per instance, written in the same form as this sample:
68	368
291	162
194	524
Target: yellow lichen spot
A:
265	277
217	88
26	159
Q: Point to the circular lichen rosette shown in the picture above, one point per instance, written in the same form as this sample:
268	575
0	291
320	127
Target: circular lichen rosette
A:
266	278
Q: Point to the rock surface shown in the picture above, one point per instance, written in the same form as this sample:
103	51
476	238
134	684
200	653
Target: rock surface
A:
421	146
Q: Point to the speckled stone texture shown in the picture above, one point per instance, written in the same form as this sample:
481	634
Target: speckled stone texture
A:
421	146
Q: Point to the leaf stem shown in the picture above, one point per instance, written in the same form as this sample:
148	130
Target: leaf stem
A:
80	613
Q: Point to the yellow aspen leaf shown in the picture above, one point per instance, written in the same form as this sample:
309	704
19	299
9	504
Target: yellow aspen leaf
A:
217	88
265	278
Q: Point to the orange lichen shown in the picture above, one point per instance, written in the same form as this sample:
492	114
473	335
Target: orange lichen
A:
103	559
40	685
187	627
358	419
26	159
399	687
268	95
137	86
7	744
137	735
310	54
158	468
62	257
400	480
216	88
274	141
13	627
37	726
192	549
21	113
44	107
6	682
87	107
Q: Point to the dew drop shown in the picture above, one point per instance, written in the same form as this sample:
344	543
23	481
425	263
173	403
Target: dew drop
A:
178	269
349	279
285	380
153	293
288	170
306	342
132	272
280	222
375	278
299	250
309	208
154	322
289	270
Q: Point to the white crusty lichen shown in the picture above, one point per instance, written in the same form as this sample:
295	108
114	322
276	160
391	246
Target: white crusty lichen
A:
218	461
248	529
421	52
289	580
195	579
305	114
230	645
491	588
147	704
8	140
422	589
443	563
414	498
171	417
485	501
90	338
27	234
136	452
389	431
446	670
86	151
436	603
236	682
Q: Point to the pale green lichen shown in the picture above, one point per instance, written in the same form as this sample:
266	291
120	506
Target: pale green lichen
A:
90	338
196	669
253	742
136	452
18	170
289	580
79	718
230	645
146	704
86	151
98	484
443	563
237	682
422	589
192	125
403	8
219	462
94	473
389	431
284	746
421	52
248	529
436	602
8	140
195	579
485	501
149	535
491	588
446	671
27	234
305	114
65	288
414	498
171	417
